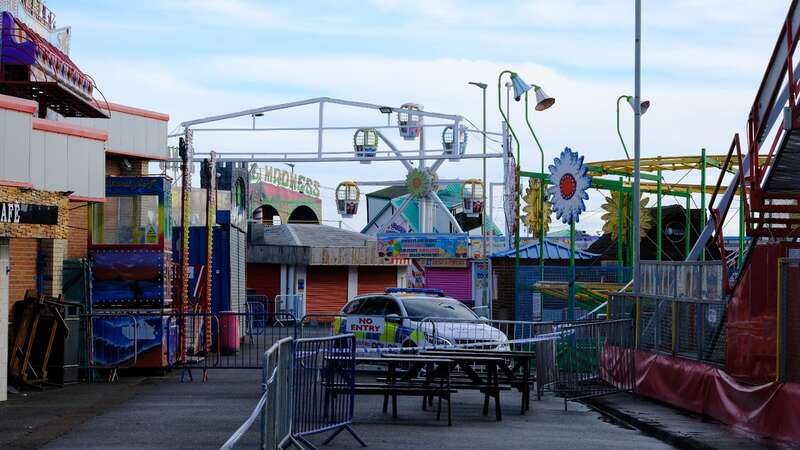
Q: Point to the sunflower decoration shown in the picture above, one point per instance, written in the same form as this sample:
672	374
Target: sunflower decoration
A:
611	216
421	182
568	184
533	214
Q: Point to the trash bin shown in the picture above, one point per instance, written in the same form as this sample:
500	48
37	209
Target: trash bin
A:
228	332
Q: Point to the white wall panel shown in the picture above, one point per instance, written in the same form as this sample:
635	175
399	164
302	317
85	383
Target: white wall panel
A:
131	133
18	145
37	158
56	161
15	146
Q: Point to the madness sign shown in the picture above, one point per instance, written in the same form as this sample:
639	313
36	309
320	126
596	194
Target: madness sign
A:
365	324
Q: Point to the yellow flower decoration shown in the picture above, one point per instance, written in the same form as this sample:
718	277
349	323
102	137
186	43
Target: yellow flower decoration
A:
611	217
533	214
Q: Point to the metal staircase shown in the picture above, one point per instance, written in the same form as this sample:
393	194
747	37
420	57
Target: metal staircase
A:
769	181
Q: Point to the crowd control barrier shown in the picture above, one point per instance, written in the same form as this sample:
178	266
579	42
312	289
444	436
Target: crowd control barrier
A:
324	381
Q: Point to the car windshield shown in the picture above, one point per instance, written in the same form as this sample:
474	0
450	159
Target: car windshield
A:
443	308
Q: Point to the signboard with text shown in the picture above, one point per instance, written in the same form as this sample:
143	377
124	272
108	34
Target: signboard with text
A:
423	245
24	213
365	324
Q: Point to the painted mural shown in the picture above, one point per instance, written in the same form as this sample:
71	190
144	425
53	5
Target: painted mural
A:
141	341
127	278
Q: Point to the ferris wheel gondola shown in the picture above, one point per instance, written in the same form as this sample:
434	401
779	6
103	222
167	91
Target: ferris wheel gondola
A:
448	141
347	198
365	144
472	195
410	124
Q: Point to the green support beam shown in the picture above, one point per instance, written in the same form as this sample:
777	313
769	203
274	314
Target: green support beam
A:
703	164
659	217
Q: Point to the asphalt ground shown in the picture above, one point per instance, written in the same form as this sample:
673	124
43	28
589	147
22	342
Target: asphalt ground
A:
162	412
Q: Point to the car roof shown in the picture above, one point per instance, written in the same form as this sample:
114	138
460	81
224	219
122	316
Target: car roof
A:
403	296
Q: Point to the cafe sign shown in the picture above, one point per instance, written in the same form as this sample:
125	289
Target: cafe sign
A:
24	213
284	178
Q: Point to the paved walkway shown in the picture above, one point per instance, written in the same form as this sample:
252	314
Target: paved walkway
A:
678	427
161	412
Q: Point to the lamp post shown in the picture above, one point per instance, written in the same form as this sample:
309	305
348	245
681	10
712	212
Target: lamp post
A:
629	99
254	118
644	106
637	119
520	87
482	87
543	101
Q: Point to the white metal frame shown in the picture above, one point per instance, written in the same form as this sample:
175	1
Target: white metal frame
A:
421	155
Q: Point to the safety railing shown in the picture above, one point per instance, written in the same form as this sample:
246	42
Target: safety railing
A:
276	403
476	333
126	339
586	359
324	387
294	304
690	328
788	318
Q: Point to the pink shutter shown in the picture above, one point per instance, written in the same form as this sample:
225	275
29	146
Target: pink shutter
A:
456	283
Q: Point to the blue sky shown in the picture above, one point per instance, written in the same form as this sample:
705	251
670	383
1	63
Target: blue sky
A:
702	59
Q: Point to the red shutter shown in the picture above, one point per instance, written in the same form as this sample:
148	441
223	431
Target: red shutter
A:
326	289
265	279
376	279
456	283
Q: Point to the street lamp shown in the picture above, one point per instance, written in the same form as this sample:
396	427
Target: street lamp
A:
254	118
543	102
644	106
482	87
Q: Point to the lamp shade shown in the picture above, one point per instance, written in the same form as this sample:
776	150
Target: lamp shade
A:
645	105
543	101
519	85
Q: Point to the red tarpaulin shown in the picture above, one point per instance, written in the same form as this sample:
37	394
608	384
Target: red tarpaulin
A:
768	409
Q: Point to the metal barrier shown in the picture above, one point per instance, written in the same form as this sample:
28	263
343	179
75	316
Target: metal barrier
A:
477	333
324	383
686	327
125	339
588	359
275	405
294	304
788	360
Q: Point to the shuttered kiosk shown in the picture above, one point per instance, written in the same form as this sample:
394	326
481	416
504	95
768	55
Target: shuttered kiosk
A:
326	266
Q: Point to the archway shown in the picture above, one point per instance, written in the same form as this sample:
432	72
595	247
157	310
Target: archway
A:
303	214
266	214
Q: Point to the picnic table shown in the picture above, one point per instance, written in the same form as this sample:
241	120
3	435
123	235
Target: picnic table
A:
519	376
488	383
436	382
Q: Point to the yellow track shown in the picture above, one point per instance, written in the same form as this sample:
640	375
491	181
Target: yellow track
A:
664	163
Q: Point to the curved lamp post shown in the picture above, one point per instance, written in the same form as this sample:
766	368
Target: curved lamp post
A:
520	88
543	101
645	105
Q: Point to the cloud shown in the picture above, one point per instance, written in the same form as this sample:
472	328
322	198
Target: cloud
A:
702	60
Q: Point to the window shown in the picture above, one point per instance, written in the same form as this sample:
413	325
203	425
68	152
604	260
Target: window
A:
373	306
129	220
353	306
392	307
442	308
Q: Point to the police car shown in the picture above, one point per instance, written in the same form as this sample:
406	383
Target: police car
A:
415	318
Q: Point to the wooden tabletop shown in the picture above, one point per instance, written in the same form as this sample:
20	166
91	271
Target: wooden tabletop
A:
403	358
499	353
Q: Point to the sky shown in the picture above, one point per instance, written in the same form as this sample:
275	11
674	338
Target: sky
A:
702	62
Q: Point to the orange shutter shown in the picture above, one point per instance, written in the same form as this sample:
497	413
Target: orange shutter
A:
326	289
